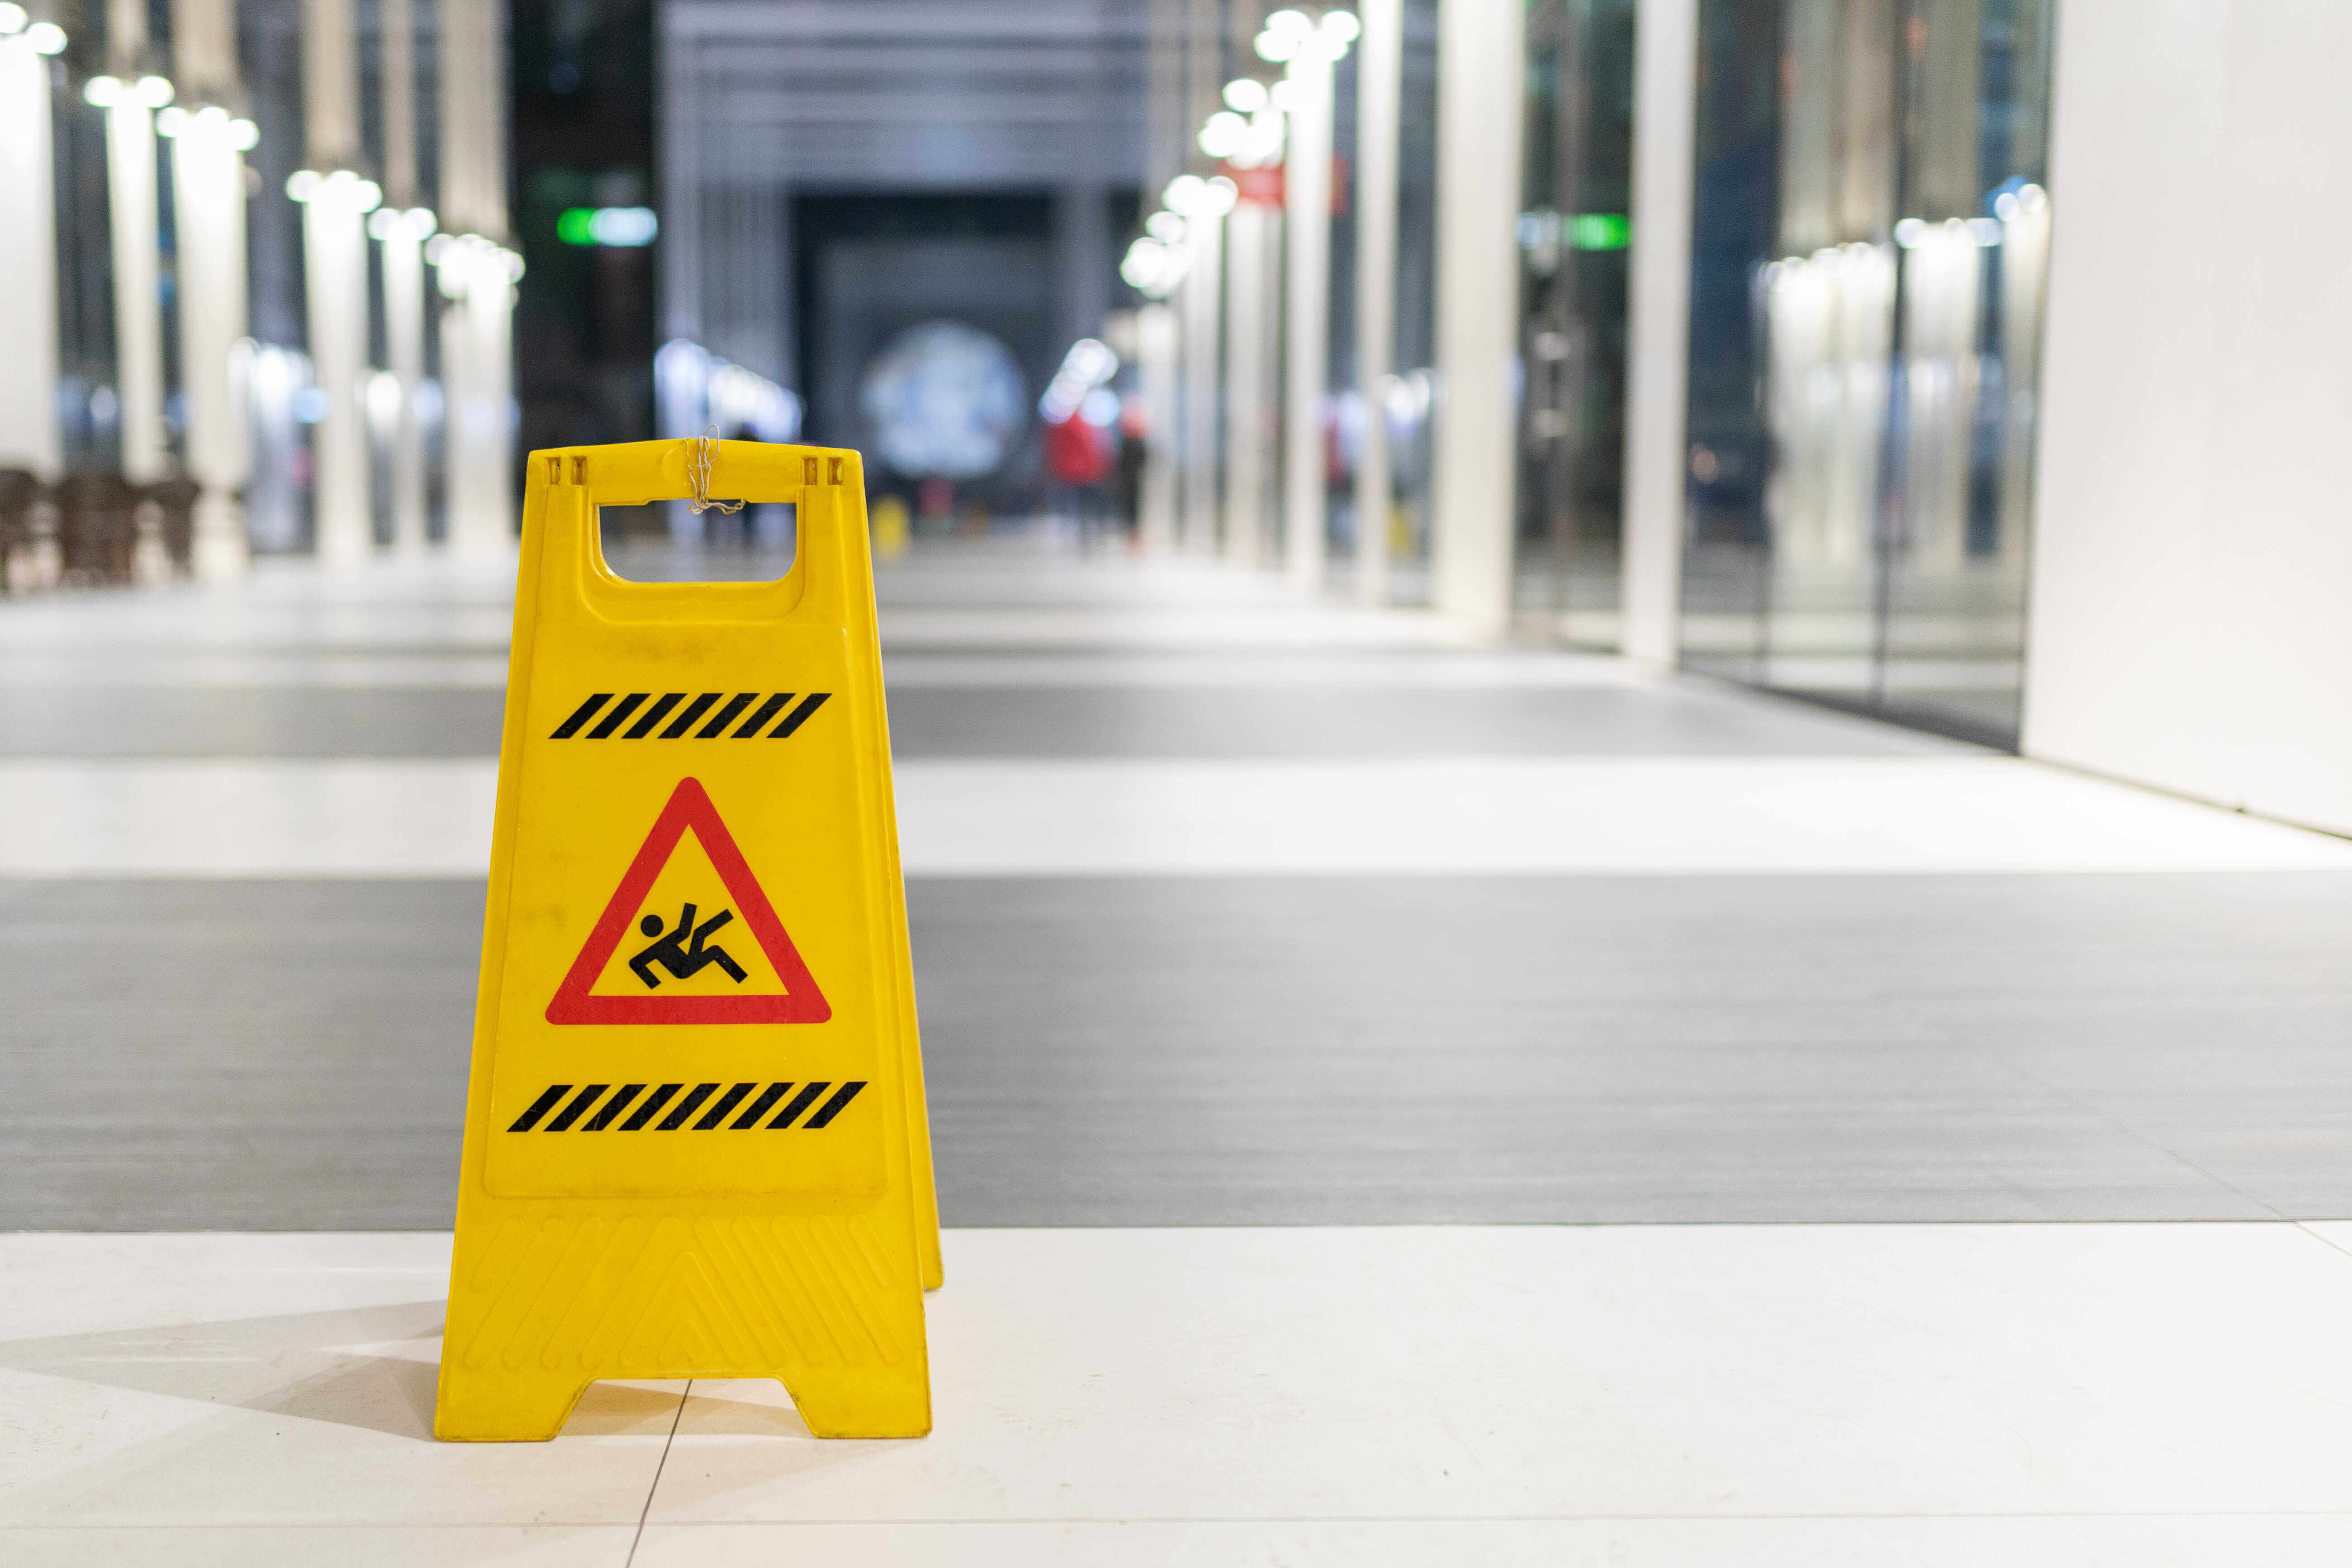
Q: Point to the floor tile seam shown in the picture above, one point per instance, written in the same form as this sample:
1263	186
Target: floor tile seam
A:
7	1529
2327	1241
2146	1140
901	1522
654	1487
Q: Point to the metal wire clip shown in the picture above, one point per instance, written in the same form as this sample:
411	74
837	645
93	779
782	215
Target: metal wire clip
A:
697	474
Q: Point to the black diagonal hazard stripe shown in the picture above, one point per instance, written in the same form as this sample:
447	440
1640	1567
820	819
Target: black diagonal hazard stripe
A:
580	715
768	1097
800	1102
539	1106
684	722
654	1103
836	1106
677	1119
615	1106
580	1102
799	716
761	715
648	720
654	715
621	710
725	1102
726	716
681	1113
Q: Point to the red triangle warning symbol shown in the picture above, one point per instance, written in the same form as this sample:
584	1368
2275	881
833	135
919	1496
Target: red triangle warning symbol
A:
577	1001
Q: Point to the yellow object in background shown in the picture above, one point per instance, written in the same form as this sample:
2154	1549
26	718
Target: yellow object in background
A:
894	528
696	1140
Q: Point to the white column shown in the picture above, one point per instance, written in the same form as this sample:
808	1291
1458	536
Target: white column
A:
1156	356
1658	374
138	302
334	264
1204	239
401	227
335	278
1379	90
402	236
1248	250
208	199
208	196
1481	87
29	437
1307	323
479	275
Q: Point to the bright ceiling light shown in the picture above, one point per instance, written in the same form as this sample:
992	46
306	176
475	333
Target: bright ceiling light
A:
153	91
12	18
47	37
101	91
1246	95
1224	134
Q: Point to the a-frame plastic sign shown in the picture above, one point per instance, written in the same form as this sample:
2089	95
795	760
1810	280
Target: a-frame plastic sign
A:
696	1143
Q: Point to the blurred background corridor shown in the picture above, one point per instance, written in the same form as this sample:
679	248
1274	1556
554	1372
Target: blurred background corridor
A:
1620	733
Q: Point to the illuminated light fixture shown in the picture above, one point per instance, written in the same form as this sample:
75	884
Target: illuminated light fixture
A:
1984	231
244	135
1284	37
627	227
302	185
101	92
1341	27
47	37
1910	232
171	122
1152	268
152	90
12	19
1246	95
1087	365
1225	134
1166	227
1284	96
1193	196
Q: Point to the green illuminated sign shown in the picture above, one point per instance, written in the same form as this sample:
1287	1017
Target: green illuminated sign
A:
1600	231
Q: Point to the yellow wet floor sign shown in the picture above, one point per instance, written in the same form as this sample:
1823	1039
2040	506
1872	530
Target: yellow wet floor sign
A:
696	1143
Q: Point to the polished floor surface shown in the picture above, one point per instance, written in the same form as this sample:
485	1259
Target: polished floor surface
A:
1400	1102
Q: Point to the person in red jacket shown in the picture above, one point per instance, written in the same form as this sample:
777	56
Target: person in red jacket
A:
1079	458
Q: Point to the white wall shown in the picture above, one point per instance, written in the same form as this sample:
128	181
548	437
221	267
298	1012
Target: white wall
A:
2191	620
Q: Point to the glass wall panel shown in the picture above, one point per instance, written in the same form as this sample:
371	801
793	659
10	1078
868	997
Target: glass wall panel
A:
1872	236
1573	232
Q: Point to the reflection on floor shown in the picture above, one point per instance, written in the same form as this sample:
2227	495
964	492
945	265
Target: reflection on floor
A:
1230	911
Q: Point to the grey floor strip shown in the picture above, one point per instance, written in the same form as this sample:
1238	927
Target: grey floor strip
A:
1215	1051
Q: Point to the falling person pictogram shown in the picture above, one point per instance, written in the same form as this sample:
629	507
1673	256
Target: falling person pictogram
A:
683	952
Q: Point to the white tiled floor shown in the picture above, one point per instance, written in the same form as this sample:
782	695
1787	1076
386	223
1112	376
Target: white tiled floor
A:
2034	1394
